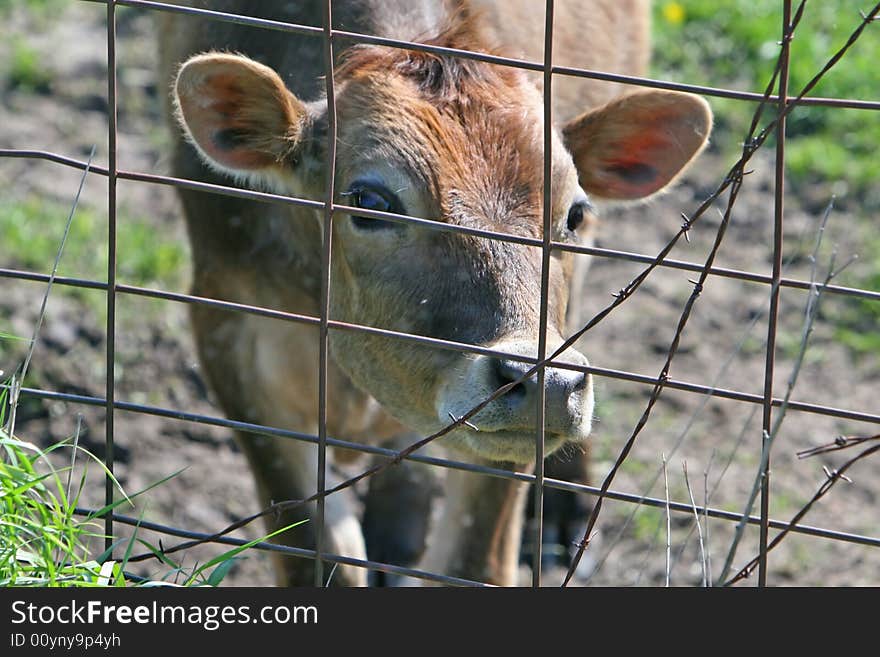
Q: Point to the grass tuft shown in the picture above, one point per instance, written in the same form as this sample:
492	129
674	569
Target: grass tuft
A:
27	71
42	543
735	45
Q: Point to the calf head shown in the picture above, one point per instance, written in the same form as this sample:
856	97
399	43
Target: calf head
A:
461	142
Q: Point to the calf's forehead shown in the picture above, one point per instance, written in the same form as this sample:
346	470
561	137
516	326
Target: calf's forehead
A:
483	141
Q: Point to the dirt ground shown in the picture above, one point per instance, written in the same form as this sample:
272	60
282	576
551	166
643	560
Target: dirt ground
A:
723	345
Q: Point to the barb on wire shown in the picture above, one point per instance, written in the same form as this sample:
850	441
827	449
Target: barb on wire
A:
733	180
831	479
811	312
841	442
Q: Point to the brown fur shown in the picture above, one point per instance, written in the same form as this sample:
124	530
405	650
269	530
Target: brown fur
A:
455	140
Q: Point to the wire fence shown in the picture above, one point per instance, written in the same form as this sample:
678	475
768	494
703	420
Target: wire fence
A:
777	101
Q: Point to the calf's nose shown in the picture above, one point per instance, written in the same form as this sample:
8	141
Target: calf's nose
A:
568	396
559	386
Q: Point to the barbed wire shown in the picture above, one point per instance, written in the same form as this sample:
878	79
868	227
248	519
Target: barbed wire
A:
731	184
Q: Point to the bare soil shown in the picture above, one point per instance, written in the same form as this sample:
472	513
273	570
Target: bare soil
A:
723	344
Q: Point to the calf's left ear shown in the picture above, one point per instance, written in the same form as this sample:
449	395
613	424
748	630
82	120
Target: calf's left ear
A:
238	113
637	144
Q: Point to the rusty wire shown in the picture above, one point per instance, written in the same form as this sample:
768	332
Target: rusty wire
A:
546	252
326	256
734	181
731	184
257	429
841	442
832	477
236	192
788	27
112	177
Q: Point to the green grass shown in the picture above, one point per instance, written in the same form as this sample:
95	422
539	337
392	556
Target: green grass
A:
42	543
45	543
40	8
735	44
857	321
646	522
32	229
26	70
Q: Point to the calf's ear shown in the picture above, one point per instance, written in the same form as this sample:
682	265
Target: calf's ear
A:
638	144
238	113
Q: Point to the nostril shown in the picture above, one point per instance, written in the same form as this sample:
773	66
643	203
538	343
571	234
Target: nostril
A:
506	372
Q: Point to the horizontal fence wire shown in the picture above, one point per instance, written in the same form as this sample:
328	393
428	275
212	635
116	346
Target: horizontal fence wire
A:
623	375
537	67
112	288
456	581
266	197
559	484
202	537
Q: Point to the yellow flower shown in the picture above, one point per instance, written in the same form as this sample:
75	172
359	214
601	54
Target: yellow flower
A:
673	12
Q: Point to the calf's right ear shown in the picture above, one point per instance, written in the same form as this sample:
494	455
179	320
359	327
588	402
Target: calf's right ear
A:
238	113
637	144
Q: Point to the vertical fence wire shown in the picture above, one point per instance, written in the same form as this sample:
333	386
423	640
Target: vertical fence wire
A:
110	384
546	250
772	322
326	255
114	174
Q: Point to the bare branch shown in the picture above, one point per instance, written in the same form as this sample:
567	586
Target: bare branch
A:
668	522
831	479
18	381
811	312
703	557
706	516
733	181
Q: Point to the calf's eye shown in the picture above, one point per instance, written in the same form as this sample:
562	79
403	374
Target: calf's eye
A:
576	216
375	197
369	199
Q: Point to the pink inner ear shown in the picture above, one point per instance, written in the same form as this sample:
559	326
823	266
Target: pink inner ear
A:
641	168
637	144
215	117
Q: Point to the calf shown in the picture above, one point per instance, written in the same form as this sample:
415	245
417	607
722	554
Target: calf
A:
435	137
